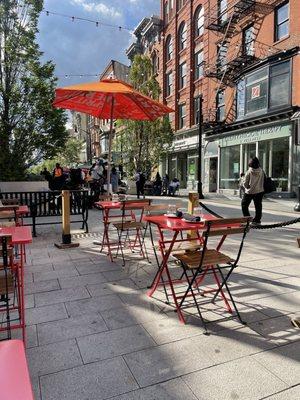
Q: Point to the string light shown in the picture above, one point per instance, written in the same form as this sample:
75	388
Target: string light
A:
97	23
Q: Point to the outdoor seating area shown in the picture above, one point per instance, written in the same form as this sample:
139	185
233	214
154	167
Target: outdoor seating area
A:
159	280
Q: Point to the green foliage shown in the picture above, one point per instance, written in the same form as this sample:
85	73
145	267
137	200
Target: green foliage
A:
30	129
143	143
68	157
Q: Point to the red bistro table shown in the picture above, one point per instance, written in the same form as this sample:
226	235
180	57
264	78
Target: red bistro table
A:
21	211
176	226
106	207
20	236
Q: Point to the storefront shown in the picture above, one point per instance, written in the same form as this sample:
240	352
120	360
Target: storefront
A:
272	144
210	177
183	162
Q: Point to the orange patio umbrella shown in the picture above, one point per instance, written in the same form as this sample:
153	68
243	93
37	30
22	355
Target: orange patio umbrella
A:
109	99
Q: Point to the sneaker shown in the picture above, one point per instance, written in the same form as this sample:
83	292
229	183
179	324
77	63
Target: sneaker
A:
254	223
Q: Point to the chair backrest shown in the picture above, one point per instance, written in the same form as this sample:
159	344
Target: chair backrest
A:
132	206
227	226
8	212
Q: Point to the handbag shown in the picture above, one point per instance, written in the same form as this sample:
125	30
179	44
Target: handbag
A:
269	185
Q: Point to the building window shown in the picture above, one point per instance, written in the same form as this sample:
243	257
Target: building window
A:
182	36
198	64
221	55
257	91
282	21
169	48
180	4
199	21
169	83
280	85
181	116
196	110
220	105
222	11
182	75
264	90
248	40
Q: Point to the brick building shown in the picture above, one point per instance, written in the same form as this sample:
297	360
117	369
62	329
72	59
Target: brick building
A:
242	57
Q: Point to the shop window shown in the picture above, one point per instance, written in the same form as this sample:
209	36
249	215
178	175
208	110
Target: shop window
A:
199	21
280	162
181	116
198	64
220	105
248	40
169	48
282	21
222	11
182	75
182	36
169	83
230	167
280	85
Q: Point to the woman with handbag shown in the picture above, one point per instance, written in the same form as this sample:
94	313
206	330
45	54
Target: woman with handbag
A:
254	190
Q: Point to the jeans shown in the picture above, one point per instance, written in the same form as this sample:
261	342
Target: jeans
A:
257	198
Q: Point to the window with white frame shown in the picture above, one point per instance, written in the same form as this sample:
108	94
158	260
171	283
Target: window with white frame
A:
182	75
169	83
182	36
199	21
282	21
198	64
169	48
181	116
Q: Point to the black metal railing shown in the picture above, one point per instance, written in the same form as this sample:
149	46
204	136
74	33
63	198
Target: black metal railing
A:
49	204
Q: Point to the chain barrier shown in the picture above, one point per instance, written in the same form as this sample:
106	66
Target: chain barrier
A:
269	226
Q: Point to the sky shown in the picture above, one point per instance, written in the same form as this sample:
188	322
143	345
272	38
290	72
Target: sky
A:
80	47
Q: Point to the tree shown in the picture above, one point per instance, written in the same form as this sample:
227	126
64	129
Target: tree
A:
143	143
30	129
68	157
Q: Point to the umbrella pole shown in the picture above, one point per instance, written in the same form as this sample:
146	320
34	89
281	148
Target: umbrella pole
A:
110	144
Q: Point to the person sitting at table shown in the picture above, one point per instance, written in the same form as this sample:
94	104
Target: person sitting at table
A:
173	187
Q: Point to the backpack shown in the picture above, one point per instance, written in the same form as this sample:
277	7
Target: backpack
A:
269	185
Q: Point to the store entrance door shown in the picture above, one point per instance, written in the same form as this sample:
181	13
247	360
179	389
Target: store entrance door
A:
182	169
213	172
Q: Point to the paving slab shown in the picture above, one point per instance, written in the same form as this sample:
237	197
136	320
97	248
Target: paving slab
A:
283	361
175	389
131	315
93	305
122	286
288	394
169	361
73	327
45	314
82	280
59	273
43	286
240	379
96	381
53	357
29	300
60	296
114	343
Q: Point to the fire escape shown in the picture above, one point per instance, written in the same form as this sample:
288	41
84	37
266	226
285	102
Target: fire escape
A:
232	55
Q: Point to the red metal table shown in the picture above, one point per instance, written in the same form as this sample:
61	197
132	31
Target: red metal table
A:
21	211
20	236
176	226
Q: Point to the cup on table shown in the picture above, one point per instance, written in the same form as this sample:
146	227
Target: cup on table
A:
171	209
198	212
115	198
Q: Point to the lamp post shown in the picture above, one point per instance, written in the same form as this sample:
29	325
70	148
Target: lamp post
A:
200	131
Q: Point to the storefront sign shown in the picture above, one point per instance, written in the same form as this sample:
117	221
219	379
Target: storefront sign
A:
255	92
185	143
256	135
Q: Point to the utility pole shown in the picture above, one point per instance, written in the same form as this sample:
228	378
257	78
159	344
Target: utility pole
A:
200	131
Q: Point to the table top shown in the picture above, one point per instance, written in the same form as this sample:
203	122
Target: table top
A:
22	210
176	224
108	205
20	234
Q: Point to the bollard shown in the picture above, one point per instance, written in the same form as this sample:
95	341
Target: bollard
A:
297	206
66	232
192	203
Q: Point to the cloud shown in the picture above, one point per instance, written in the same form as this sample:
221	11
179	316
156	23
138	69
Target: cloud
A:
99	8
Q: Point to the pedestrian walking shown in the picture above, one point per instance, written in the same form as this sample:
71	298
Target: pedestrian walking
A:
165	184
254	190
140	183
157	185
114	179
